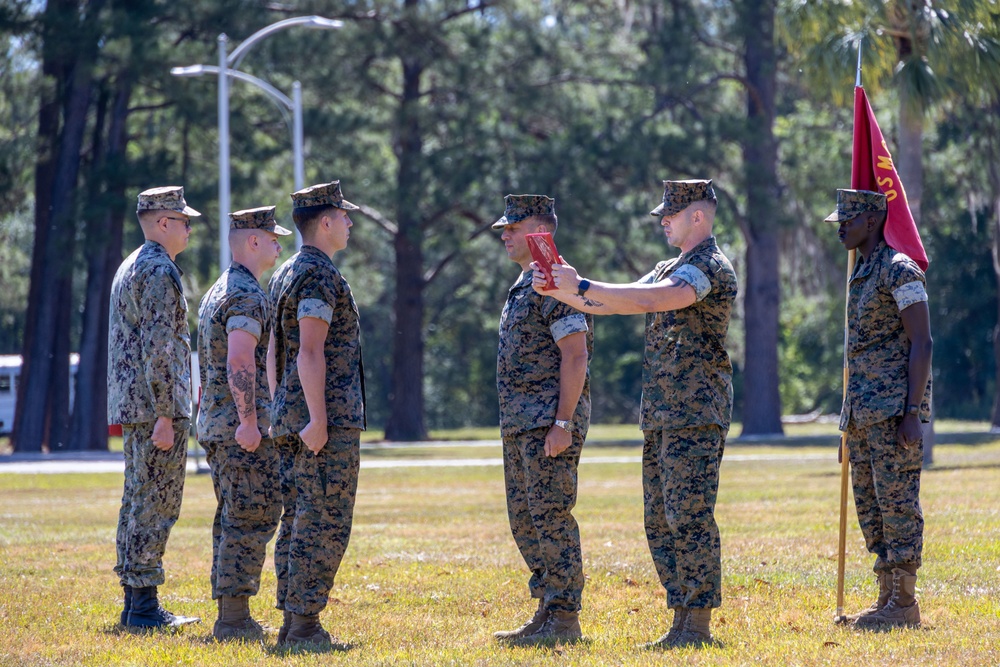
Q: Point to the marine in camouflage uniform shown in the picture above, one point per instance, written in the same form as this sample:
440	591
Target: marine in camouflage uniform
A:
686	399
149	394
318	487
888	396
234	328
543	382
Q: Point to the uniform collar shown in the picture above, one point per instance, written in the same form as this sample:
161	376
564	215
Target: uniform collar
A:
158	249
524	280
704	245
236	266
315	252
864	265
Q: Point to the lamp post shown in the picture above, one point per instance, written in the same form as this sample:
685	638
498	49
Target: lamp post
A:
226	70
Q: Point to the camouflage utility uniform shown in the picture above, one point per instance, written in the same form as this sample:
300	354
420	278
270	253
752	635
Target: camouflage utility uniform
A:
541	490
149	376
686	409
318	490
247	487
885	476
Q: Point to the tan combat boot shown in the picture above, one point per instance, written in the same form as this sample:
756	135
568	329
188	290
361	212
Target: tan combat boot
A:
529	628
307	630
884	592
680	614
902	610
560	626
286	622
696	630
234	621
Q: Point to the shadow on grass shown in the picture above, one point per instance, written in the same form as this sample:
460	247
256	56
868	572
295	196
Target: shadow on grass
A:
119	630
555	646
660	648
306	648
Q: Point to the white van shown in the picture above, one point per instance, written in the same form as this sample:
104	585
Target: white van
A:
10	375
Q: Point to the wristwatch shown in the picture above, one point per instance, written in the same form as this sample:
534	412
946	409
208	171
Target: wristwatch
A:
582	287
565	425
913	409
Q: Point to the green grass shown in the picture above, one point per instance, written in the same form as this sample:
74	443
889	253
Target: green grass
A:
621	433
432	570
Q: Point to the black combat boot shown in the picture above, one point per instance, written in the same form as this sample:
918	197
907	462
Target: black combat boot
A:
146	612
128	603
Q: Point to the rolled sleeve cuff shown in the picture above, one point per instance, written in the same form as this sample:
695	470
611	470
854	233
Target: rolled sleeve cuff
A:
317	308
909	294
568	325
244	323
694	277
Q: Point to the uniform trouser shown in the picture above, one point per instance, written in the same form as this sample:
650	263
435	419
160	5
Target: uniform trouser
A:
541	494
886	480
680	482
151	502
248	506
318	496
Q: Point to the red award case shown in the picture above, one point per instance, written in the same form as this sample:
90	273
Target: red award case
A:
543	251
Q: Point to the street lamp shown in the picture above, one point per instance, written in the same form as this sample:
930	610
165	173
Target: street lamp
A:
227	69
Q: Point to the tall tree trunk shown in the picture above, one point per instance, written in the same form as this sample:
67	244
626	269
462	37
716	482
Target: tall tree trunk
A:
406	397
761	396
911	172
58	400
995	417
49	117
44	404
994	172
90	423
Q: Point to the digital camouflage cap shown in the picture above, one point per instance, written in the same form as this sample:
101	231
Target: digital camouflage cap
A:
521	207
324	194
852	203
166	198
257	218
678	195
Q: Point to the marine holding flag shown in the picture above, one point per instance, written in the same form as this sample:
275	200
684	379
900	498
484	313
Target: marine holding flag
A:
888	395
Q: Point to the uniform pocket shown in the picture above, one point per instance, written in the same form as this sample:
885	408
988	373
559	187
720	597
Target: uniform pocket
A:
252	490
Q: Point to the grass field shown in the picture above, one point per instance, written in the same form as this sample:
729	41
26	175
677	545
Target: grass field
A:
432	570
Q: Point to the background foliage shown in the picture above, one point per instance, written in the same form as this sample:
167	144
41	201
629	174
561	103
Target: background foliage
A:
593	102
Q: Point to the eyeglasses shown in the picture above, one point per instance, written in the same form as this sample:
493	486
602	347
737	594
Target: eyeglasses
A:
187	222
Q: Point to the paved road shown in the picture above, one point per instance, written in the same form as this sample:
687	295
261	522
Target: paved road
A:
112	462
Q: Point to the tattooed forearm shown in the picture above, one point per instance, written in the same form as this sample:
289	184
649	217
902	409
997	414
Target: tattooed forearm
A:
241	383
590	303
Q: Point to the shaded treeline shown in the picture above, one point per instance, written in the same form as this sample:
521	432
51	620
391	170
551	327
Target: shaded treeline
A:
430	111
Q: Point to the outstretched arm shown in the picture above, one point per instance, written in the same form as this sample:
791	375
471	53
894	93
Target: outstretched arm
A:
615	299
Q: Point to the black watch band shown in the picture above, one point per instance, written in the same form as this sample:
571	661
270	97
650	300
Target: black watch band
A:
913	409
582	287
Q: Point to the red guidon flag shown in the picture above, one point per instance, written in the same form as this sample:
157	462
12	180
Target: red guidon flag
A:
872	169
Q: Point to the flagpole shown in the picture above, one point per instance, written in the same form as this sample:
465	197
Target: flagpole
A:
843	458
843	455
857	79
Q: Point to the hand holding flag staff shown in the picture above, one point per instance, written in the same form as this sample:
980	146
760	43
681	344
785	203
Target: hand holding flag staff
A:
872	169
